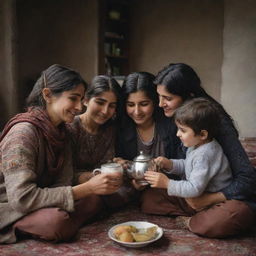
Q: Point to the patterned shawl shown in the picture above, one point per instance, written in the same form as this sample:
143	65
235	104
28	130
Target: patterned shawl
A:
55	137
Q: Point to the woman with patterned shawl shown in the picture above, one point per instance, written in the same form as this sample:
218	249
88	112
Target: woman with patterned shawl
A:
37	195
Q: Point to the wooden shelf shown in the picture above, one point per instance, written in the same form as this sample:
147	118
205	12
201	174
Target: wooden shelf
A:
117	57
114	37
117	20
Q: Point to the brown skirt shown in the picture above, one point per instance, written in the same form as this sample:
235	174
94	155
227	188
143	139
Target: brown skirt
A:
229	218
55	224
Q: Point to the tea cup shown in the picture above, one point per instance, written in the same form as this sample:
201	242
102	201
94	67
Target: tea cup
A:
109	168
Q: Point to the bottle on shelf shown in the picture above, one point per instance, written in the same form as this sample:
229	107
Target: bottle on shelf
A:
108	67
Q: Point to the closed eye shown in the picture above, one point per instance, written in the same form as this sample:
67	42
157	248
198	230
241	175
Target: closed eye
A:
113	105
144	103
100	102
130	104
73	99
167	98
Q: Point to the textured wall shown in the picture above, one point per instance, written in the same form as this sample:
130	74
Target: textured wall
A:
8	93
55	31
167	31
217	38
238	92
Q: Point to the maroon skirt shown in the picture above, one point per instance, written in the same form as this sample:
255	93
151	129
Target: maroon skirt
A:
224	219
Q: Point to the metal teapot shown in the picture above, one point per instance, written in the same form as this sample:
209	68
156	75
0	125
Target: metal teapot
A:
138	167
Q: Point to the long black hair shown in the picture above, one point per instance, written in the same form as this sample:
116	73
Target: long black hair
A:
181	79
141	81
58	79
104	83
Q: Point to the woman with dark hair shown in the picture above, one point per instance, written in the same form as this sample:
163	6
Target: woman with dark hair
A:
141	127
37	197
228	212
94	132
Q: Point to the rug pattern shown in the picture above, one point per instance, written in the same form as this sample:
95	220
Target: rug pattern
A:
177	241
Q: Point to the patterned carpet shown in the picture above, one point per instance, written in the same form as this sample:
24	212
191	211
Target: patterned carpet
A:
93	240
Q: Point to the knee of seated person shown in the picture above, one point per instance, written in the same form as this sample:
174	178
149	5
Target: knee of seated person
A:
50	224
216	229
64	227
232	219
58	227
205	229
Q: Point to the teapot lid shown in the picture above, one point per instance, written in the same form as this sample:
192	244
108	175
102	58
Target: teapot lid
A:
142	157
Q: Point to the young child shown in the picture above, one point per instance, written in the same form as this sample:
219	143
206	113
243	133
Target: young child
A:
206	168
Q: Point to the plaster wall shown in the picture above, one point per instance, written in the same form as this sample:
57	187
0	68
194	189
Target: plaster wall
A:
55	31
217	38
8	93
2	65
238	92
165	31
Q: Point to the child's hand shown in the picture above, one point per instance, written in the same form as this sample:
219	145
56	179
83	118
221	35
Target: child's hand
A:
163	162
156	179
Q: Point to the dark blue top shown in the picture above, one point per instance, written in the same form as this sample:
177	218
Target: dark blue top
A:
243	185
127	138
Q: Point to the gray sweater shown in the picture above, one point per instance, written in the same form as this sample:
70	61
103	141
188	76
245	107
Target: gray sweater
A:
205	169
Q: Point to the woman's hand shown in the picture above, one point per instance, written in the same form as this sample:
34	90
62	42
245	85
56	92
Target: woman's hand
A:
156	179
125	163
205	200
105	183
100	184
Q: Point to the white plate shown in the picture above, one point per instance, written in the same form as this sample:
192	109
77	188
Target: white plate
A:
137	224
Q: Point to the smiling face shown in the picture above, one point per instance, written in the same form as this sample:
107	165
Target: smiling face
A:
140	108
64	107
188	136
168	101
101	108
